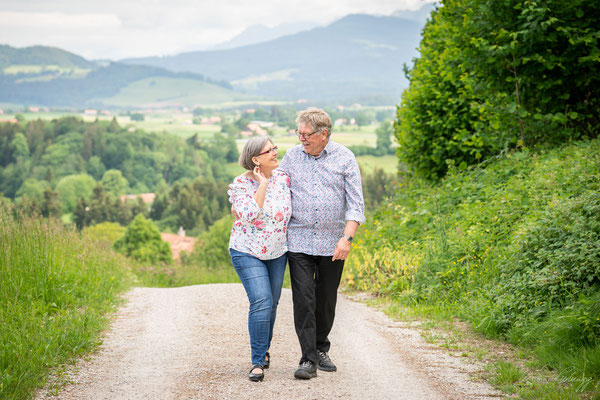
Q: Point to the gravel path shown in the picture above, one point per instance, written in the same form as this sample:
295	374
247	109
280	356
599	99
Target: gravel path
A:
192	343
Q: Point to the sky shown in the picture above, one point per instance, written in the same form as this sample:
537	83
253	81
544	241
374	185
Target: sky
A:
117	29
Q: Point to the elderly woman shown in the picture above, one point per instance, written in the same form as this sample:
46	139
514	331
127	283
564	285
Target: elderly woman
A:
258	246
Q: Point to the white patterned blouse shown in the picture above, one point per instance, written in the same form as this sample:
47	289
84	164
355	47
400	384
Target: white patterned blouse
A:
261	232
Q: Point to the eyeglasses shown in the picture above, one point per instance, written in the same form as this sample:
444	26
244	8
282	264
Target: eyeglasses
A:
305	135
272	149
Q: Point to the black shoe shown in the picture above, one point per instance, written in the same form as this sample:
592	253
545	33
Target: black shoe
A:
267	361
257	377
325	363
306	370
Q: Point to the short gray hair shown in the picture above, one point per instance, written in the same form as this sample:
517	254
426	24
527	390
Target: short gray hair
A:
252	149
317	118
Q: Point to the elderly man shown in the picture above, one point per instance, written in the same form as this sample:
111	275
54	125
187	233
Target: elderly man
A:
327	207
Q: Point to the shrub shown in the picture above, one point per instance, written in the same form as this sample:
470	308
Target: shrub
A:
143	243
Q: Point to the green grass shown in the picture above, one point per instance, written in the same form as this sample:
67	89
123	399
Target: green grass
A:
56	292
388	163
506	375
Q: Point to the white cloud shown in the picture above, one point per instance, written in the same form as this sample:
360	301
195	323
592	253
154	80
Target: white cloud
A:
115	29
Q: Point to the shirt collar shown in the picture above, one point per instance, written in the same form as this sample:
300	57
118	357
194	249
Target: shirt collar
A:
327	149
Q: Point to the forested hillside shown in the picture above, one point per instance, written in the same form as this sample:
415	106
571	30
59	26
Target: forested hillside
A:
498	221
67	166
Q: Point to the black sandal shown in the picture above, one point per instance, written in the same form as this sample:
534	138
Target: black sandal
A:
257	377
267	360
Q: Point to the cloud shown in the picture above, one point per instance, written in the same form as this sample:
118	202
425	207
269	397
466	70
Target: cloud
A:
116	29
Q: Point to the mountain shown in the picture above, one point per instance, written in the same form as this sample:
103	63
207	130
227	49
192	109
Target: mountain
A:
41	55
260	33
355	57
48	76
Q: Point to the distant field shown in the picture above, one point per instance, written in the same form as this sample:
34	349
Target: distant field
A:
169	92
387	163
39	69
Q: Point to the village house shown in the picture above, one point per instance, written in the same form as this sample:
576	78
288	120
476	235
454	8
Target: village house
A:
147	198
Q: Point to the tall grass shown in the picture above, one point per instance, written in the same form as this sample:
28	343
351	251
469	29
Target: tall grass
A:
55	292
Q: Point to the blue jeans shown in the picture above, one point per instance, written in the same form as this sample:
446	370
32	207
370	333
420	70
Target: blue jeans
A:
262	280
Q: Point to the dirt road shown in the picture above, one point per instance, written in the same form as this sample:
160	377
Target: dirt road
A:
192	343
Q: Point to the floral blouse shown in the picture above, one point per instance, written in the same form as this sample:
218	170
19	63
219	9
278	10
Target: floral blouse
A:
261	232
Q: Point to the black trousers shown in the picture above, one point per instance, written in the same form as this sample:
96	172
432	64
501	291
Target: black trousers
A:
315	281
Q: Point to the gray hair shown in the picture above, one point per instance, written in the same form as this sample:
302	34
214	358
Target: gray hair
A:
317	118
251	149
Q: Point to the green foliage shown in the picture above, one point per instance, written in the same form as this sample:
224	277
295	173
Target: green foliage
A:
211	250
108	232
56	290
143	243
114	182
73	187
32	189
20	147
558	260
377	187
194	206
498	74
137	117
512	248
384	138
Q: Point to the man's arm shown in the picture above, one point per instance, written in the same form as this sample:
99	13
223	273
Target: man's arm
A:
355	210
342	248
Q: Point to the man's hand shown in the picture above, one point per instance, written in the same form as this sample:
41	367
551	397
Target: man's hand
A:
342	248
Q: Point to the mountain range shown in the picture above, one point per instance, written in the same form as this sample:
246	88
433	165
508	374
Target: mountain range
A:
358	58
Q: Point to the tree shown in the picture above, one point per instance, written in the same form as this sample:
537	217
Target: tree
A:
50	203
142	242
74	187
114	183
384	138
81	215
362	118
32	189
20	148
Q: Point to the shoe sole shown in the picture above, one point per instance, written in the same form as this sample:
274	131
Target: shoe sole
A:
257	379
327	369
303	375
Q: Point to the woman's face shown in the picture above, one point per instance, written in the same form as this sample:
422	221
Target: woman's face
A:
267	157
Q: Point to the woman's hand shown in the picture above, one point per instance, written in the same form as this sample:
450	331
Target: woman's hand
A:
259	176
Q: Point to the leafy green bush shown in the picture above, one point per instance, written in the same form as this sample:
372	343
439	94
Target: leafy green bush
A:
143	243
498	74
212	247
107	232
558	260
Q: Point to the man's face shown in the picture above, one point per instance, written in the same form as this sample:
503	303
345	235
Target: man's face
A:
313	143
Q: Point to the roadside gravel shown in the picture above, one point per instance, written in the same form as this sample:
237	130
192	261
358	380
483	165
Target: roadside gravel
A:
192	343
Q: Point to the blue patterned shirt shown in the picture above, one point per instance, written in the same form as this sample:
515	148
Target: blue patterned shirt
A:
326	192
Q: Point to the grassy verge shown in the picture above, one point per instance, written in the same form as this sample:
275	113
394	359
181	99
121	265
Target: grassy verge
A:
55	294
512	248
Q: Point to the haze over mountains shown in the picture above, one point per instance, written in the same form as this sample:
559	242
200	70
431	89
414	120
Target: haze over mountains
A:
358	58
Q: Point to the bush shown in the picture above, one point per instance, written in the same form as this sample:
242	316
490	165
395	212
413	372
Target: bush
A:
143	243
558	260
497	74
